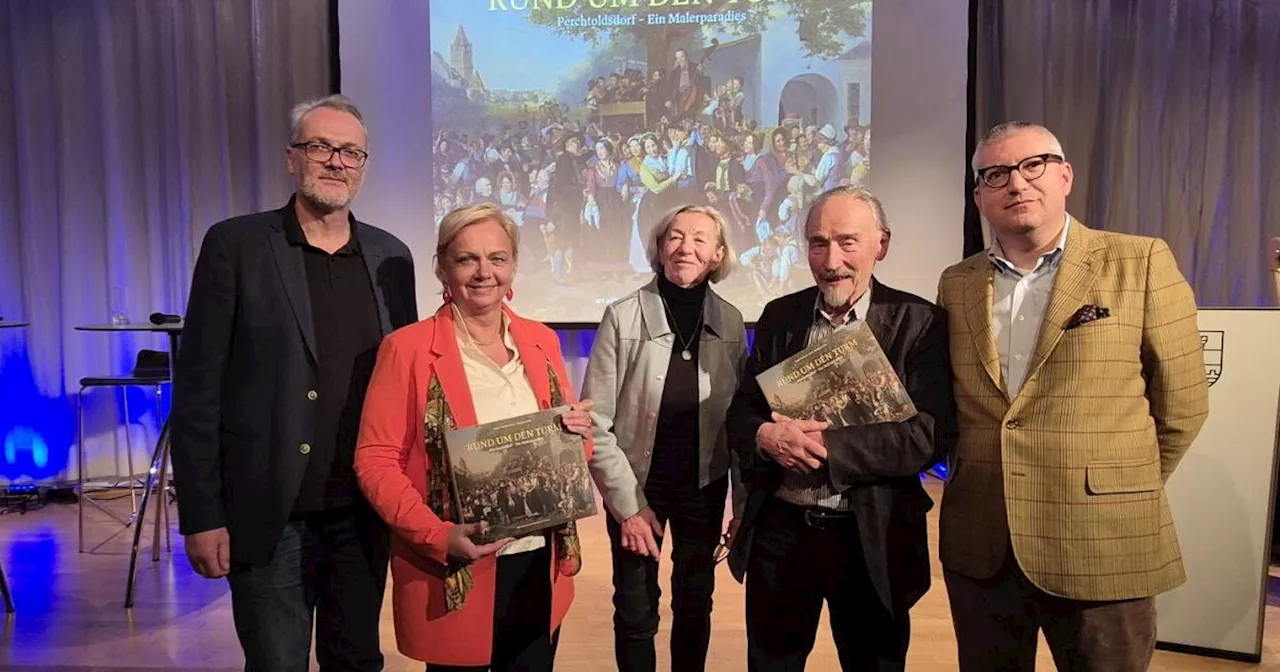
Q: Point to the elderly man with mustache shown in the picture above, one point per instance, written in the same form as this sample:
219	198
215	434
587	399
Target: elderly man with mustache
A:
839	514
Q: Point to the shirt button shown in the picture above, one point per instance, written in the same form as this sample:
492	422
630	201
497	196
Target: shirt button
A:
311	394
1022	318
1012	424
1018	357
304	448
658	377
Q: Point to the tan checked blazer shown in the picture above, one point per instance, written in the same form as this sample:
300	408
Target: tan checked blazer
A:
1071	472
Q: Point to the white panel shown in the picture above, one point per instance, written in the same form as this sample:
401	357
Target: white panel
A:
1221	494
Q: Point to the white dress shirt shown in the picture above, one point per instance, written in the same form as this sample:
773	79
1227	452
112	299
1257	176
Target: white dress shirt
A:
1018	303
498	393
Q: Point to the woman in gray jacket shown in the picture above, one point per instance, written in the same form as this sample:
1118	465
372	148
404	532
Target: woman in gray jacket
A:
662	371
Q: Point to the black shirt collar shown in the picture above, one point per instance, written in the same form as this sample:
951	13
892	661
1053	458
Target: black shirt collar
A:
295	236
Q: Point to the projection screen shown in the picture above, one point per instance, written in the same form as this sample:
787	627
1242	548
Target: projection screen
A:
586	120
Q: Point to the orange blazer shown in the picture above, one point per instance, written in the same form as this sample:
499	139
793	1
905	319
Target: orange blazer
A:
394	471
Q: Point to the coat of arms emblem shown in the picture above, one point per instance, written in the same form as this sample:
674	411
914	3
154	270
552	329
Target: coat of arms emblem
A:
1211	342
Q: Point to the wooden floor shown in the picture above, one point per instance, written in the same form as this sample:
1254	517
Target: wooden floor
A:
71	616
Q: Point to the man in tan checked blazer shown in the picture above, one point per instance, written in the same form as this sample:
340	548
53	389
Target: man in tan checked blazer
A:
1079	384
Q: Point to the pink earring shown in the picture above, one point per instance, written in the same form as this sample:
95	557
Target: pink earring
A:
446	295
510	293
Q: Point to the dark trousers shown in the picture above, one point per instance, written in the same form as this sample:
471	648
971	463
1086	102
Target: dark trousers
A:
795	563
997	620
521	617
329	569
696	517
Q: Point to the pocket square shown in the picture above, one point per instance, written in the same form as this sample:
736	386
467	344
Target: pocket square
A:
1087	314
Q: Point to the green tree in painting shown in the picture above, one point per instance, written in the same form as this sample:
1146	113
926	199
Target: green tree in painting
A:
822	25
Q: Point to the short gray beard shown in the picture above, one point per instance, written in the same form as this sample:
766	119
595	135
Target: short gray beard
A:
837	296
323	202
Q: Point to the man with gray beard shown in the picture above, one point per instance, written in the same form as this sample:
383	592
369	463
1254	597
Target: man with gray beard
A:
286	314
839	514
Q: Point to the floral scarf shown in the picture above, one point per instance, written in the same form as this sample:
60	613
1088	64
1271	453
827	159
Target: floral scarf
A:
457	579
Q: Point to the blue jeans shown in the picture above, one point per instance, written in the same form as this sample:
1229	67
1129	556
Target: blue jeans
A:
332	565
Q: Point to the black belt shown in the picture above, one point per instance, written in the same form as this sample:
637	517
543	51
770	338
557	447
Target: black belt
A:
816	517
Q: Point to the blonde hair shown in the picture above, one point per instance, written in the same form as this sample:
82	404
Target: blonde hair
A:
460	218
722	270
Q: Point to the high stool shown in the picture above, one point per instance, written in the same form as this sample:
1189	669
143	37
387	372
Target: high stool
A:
151	369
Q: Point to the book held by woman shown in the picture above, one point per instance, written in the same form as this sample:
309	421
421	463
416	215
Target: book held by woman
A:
520	475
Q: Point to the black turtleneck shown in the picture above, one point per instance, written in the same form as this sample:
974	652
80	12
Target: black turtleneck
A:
675	444
684	303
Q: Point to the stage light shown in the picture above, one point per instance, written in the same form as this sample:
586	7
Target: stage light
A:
25	439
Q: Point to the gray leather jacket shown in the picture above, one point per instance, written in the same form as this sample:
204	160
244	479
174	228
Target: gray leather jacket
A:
625	375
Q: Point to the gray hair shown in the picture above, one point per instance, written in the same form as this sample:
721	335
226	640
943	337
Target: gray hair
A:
1002	131
337	102
460	218
660	232
858	192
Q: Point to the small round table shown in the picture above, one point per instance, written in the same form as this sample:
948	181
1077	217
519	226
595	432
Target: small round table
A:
4	583
159	459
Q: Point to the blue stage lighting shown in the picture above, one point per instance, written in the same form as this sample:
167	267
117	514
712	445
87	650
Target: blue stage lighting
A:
25	440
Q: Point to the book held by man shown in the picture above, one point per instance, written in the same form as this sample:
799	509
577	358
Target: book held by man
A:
844	379
521	475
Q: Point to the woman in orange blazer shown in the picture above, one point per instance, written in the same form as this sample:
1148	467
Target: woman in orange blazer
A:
459	605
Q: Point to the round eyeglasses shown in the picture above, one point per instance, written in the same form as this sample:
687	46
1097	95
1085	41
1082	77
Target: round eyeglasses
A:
1030	168
323	153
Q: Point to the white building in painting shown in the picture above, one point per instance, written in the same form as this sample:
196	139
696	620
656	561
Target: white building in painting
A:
781	82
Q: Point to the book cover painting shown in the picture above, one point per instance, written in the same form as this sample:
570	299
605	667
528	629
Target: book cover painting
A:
845	380
521	475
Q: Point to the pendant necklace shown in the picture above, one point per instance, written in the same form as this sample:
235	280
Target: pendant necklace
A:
684	345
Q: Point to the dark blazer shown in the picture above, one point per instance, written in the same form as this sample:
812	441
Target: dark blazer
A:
244	369
879	463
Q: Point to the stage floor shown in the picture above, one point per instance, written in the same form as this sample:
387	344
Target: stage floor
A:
71	616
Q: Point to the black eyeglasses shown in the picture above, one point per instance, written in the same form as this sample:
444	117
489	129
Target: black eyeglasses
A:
722	549
1032	167
323	153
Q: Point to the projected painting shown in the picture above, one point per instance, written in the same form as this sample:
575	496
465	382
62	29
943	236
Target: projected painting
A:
587	119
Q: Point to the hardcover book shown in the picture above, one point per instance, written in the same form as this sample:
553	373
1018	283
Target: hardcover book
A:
844	379
521	475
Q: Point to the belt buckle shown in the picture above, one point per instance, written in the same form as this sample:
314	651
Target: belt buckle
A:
815	519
